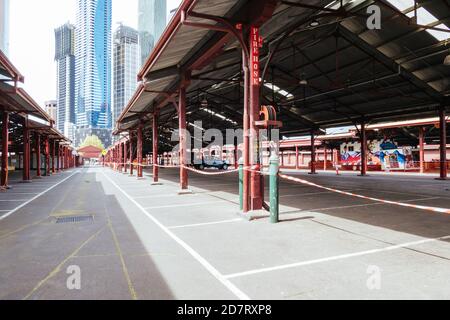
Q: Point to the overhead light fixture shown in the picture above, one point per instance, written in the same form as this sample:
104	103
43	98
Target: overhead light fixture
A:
314	23
447	60
303	80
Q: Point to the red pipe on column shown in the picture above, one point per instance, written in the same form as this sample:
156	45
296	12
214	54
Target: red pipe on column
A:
155	146
47	156
125	157
443	144
363	149
246	122
313	154
5	141
131	153
182	133
38	154
139	150
26	151
53	156
256	188
421	149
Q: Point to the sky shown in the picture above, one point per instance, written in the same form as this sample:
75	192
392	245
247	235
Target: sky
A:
32	39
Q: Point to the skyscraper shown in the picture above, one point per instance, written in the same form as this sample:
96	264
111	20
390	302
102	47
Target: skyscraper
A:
125	67
52	109
65	68
93	70
152	21
4	26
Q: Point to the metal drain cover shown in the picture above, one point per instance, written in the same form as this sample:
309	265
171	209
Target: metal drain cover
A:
74	219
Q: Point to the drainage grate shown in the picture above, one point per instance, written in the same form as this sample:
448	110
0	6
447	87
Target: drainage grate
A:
75	219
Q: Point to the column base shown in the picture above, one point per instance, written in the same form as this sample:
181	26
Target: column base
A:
253	215
184	191
363	175
25	181
156	183
440	178
312	173
38	177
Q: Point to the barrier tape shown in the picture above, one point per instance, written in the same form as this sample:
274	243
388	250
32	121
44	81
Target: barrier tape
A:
415	206
250	169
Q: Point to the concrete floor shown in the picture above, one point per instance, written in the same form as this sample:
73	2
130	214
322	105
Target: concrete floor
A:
147	242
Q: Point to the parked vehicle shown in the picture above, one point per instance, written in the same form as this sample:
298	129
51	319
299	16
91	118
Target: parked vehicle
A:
212	162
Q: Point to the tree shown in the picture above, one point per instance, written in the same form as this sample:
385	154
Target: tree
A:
92	141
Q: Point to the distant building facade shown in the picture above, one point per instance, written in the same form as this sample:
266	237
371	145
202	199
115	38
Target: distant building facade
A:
51	107
4	26
93	70
152	22
125	67
65	77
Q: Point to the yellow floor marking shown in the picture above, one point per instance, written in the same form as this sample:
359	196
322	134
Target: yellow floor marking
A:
59	266
122	260
21	228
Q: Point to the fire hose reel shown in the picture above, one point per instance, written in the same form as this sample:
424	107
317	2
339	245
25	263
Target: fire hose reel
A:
268	118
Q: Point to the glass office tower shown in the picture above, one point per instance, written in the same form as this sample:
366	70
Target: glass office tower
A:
93	70
152	22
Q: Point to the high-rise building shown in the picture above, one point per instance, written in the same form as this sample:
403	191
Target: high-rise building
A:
65	69
93	70
4	26
125	67
152	22
51	109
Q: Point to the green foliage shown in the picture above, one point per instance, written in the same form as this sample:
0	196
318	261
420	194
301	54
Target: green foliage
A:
92	141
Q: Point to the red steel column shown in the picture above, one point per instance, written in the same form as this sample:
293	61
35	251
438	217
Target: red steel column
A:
325	156
38	154
131	153
5	141
124	157
139	150
246	124
155	146
47	156
120	146
296	157
53	156
26	151
421	149
443	144
363	149
256	196
182	133
313	154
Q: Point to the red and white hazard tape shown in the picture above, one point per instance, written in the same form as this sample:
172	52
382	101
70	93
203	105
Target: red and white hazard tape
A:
415	206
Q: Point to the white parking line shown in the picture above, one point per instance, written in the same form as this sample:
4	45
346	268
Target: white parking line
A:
13	200
205	224
333	258
367	204
35	197
186	205
227	283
